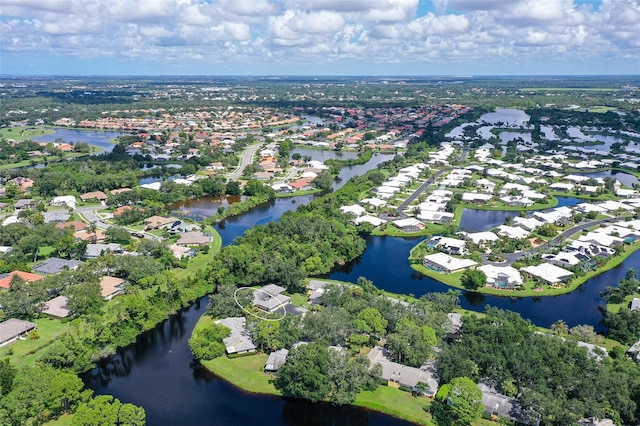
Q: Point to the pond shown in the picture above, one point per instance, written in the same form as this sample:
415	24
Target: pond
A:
92	137
325	154
508	116
627	179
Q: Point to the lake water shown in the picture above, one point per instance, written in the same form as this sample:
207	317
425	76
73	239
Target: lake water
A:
627	179
509	116
158	371
92	137
325	154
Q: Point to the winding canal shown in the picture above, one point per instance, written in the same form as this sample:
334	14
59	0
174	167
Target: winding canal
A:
158	372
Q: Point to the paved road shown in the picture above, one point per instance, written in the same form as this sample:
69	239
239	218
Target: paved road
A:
89	214
510	258
416	194
245	160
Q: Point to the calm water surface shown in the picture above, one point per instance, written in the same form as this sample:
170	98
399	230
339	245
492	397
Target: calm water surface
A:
92	137
158	372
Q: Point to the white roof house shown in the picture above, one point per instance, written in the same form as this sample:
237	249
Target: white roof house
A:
479	237
435	217
476	197
512	231
64	200
601	239
375	202
442	262
548	272
409	224
554	215
528	223
354	209
384	189
502	276
559	186
375	221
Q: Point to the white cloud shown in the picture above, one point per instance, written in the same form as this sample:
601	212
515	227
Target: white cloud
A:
364	31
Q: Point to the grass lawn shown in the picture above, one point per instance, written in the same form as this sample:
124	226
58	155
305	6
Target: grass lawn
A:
614	308
64	420
200	260
247	373
23	133
297	193
396	403
298	299
45	251
50	329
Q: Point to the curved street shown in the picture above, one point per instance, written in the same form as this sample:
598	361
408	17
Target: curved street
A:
245	160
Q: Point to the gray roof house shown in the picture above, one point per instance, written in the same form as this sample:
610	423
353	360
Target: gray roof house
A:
268	298
13	328
53	265
58	216
496	404
239	341
94	251
276	360
398	375
194	238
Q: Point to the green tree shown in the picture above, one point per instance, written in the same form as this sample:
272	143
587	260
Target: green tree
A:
118	234
85	298
105	410
7	374
233	188
465	401
324	180
370	320
206	341
305	374
560	327
42	393
267	335
473	279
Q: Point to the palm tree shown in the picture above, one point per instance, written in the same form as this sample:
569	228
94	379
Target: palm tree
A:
560	327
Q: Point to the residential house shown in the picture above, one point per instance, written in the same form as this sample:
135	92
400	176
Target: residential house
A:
441	262
24	203
95	195
409	225
547	272
601	239
110	287
354	210
12	329
496	404
59	216
94	251
512	232
482	237
57	307
268	298
155	222
5	279
181	227
447	245
239	340
435	217
194	238
54	265
503	277
476	197
64	201
276	360
528	223
566	258
398	375
375	221
635	304
180	252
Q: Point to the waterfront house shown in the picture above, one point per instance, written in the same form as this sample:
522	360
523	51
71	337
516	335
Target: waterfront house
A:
512	232
276	360
12	329
155	222
503	277
194	239
547	272
354	210
441	262
239	340
496	404
375	221
447	245
409	224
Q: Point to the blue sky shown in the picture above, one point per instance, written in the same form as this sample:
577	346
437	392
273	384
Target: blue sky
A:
319	37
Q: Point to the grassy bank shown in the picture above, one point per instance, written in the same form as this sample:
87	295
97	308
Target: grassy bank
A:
529	287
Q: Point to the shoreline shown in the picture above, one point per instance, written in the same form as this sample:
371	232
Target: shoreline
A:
454	280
